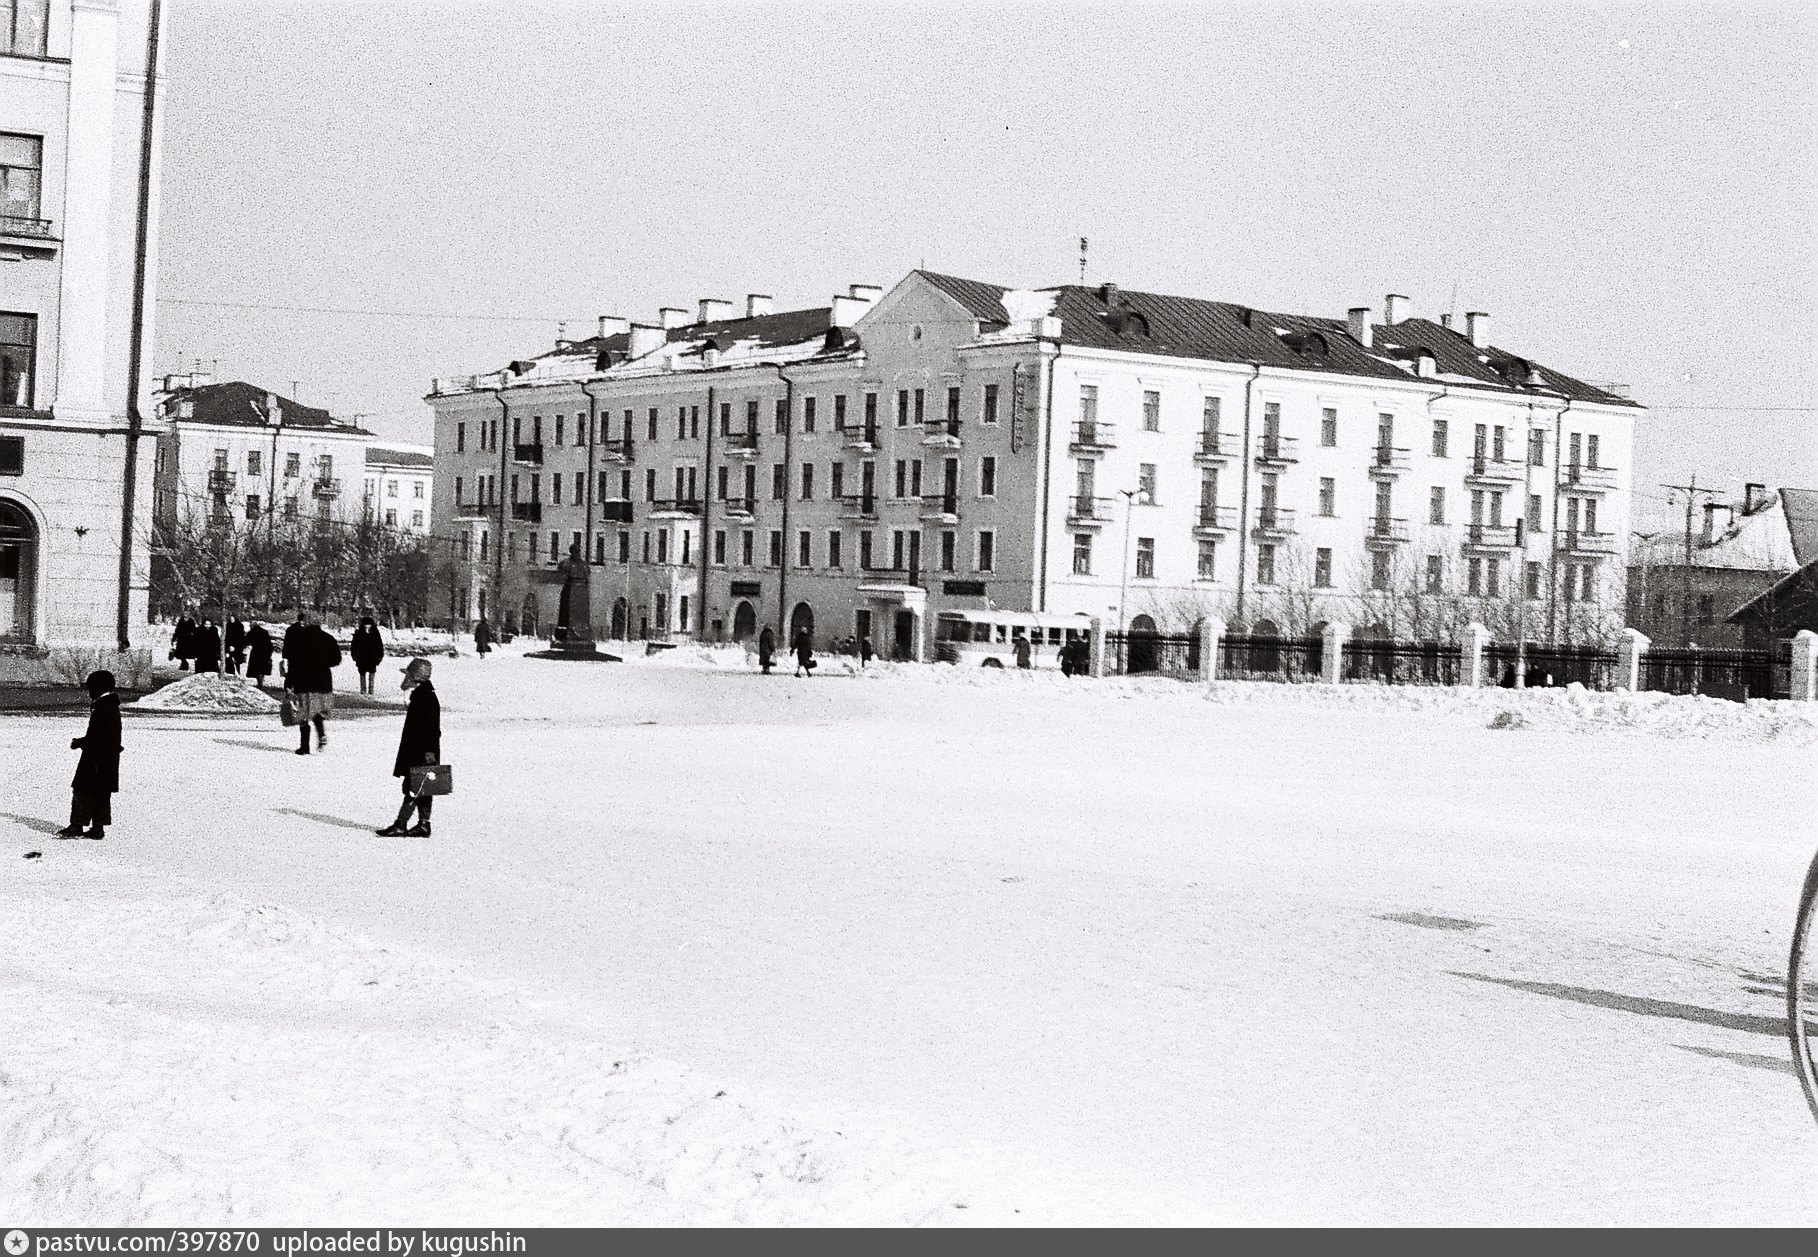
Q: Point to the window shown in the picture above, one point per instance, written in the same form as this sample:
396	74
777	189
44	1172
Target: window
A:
1088	403
1439	438
780	425
776	547
1587	589
990	414
1497	449
416	490
807	482
836	486
1533	580
1379	569
725	418
555	488
483	540
1474	578
558	430
1328	427
662	539
1493	578
804	549
902	407
1208	560
747	540
902	477
1537	447
650	430
1151	410
865	549
834	537
1436	505
870	412
948	538
920	397
1534	507
1590	515
681	423
1328	496
839	412
987	551
915	478
416	519
21	173
1082	554
1208	423
1145	483
807	414
778	486
1322	568
22	27
391	519
1265	565
252	506
460	438
719	546
1436	573
1208	494
987	477
953	403
255	465
1590	450
1145	558
646	546
896	549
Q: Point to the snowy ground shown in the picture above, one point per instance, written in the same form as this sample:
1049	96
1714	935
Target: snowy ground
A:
922	946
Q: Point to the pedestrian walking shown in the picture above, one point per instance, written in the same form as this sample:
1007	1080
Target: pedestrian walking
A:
258	654
97	779
865	651
208	647
419	745
234	642
311	658
482	637
1021	645
183	642
766	650
368	649
1065	656
803	649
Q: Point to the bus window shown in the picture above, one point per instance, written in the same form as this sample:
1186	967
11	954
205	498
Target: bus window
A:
1002	633
981	632
1054	636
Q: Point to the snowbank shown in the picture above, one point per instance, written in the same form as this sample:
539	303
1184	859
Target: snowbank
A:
212	693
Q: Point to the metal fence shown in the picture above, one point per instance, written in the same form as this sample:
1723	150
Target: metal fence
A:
1734	674
1402	663
1591	667
1248	657
1170	654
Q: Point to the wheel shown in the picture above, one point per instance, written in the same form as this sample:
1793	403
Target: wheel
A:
1802	989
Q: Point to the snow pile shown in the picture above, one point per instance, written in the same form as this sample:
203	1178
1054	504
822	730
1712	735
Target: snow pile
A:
733	658
1506	719
210	692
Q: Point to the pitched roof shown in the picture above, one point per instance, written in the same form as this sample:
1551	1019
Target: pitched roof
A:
1801	507
240	405
982	300
378	455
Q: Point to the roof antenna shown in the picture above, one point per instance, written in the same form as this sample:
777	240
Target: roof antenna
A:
1083	244
1452	305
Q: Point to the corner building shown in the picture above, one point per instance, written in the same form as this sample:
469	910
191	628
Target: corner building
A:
951	444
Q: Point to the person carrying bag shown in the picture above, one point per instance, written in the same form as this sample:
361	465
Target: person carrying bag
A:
419	761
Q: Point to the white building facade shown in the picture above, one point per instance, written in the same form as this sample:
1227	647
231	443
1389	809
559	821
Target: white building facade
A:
399	487
1147	459
79	139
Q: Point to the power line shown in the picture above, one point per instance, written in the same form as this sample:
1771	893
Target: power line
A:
378	314
1800	409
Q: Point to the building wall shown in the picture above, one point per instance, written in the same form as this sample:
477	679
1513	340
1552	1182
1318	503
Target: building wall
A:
1658	599
409	491
186	460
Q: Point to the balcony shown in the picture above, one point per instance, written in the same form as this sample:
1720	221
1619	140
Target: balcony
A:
1214	519
615	510
858	505
221	480
941	433
740	508
617	451
1277	451
1382	533
326	488
527	512
529	455
1092	436
675	508
1495	470
1587	479
862	438
28	230
1579	542
464	510
741	444
1273	523
1216	447
1085	512
1486	538
941	508
1387	461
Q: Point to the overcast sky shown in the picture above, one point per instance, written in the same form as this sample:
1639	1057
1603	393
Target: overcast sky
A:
1628	191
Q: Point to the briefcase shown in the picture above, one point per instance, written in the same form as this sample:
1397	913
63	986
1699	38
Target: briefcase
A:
432	779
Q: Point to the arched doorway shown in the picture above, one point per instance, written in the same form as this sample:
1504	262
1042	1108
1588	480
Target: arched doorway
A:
1140	645
744	622
801	620
1266	654
18	574
620	612
527	619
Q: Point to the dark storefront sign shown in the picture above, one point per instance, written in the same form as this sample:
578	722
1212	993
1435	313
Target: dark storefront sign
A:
12	456
747	588
964	588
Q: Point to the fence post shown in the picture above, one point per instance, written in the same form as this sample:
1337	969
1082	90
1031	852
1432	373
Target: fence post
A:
1635	644
1470	664
1333	652
1805	667
1211	632
1097	639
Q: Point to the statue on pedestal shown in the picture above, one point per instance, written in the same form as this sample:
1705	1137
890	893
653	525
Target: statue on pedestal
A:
574	615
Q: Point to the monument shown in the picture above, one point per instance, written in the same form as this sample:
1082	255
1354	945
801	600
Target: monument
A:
572	637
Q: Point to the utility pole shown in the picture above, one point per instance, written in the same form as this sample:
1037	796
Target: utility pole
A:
1691	492
1123	587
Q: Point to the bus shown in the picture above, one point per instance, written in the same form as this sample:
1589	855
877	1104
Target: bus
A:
987	639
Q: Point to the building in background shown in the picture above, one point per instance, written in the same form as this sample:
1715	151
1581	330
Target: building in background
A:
399	487
1149	459
1684	590
79	139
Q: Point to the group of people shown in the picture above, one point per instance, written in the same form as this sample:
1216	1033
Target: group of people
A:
213	650
802	648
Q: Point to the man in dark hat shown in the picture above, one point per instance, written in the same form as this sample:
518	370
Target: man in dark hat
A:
98	771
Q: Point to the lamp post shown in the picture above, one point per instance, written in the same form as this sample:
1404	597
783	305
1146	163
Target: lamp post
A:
1123	586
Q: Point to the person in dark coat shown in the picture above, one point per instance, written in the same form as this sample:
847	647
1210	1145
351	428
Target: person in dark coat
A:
482	637
183	642
419	745
258	654
803	649
208	647
235	642
865	652
766	650
1024	651
367	649
312	655
97	778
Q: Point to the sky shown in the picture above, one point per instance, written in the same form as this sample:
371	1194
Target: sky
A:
370	194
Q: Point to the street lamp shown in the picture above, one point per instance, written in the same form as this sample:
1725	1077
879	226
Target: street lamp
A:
1123	587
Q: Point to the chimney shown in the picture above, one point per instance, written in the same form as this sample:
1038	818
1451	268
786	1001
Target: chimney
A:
1357	322
670	316
1108	291
868	293
1425	366
1445	320
1710	522
846	311
1394	309
757	303
646	338
713	310
1754	497
1477	327
613	325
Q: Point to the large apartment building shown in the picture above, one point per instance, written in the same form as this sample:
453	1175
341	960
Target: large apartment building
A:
79	142
857	468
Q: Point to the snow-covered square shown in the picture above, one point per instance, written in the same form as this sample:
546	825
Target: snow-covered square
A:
921	945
